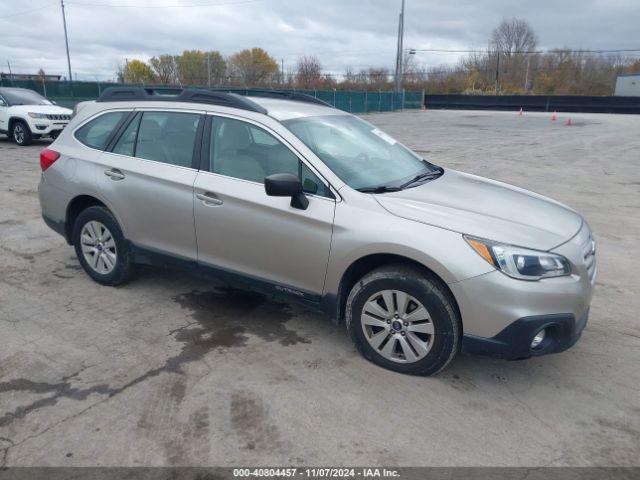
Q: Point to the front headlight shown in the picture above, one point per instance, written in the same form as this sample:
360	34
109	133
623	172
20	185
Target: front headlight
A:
518	262
37	115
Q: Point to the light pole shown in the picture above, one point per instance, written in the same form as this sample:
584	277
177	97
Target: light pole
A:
66	39
398	83
497	72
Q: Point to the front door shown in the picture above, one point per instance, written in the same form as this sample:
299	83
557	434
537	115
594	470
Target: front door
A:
148	180
242	230
4	116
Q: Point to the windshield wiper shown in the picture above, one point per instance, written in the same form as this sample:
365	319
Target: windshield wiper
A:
379	189
424	176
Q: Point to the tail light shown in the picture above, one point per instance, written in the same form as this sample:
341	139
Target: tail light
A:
47	157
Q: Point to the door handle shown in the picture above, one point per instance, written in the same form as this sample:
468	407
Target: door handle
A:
209	199
114	174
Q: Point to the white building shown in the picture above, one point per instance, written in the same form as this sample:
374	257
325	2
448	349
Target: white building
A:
628	85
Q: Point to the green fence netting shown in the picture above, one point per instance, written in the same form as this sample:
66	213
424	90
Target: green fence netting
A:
66	94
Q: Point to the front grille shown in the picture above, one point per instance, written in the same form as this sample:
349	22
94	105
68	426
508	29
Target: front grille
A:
58	117
589	255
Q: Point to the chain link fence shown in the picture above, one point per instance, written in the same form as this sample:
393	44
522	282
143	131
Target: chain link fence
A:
68	94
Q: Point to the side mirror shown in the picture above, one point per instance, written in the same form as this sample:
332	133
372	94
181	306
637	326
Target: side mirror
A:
286	185
2	103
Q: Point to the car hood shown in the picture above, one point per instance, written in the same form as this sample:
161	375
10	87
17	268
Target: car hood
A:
486	208
46	109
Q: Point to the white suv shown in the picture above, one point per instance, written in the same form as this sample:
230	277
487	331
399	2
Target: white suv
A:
26	115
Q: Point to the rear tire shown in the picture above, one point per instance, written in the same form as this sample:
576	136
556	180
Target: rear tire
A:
21	133
404	319
101	247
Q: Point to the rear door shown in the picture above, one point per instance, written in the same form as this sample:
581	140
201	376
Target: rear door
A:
241	229
147	178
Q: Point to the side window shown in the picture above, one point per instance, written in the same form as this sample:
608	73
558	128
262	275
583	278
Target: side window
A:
167	137
96	133
127	141
242	150
312	184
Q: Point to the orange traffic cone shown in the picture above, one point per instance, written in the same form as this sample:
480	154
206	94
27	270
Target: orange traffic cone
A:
554	116
520	111
569	123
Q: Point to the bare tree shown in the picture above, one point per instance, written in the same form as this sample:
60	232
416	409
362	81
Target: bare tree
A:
309	73
513	36
377	78
511	48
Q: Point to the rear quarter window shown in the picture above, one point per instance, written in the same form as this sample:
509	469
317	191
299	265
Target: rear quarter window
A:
95	133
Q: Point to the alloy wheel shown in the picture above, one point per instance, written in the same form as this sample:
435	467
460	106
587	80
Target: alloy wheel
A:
397	326
18	133
98	247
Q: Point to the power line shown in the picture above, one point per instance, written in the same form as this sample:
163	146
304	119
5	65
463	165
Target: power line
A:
195	5
525	52
24	12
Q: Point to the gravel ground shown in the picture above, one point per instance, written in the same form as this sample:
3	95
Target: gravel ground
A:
169	370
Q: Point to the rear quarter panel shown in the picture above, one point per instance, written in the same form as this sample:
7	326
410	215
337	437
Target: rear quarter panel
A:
73	174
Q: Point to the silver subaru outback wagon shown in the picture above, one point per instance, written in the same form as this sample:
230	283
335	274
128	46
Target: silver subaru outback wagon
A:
287	195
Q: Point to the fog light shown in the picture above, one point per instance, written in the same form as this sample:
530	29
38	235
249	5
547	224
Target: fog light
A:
537	340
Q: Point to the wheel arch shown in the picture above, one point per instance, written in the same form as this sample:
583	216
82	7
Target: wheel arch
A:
75	207
13	120
335	304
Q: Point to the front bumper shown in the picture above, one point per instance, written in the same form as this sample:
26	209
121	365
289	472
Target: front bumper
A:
46	127
514	342
501	315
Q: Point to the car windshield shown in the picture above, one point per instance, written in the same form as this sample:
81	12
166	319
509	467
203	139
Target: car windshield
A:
17	96
363	156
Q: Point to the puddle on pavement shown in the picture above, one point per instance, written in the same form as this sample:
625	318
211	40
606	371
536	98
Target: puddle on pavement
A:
225	317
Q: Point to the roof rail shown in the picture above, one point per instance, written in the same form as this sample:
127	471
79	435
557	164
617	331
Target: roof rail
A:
190	95
297	96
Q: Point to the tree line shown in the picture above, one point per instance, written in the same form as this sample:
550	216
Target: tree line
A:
511	64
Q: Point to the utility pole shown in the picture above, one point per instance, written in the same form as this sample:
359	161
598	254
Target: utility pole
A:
66	40
526	76
10	74
398	83
209	67
282	71
497	71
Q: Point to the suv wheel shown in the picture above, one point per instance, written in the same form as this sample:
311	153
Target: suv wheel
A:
21	133
101	247
403	319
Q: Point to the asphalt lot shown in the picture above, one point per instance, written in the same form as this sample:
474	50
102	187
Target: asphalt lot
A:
168	370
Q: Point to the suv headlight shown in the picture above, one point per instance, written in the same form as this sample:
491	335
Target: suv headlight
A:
518	262
37	115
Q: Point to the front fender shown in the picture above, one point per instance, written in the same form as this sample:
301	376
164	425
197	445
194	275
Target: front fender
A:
359	233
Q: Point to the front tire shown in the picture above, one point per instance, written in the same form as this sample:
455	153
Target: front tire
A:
101	247
404	319
21	133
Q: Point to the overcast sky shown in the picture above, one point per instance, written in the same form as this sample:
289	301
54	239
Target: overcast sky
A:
341	33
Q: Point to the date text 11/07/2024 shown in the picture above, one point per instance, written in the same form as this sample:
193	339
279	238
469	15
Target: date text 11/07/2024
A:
316	472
